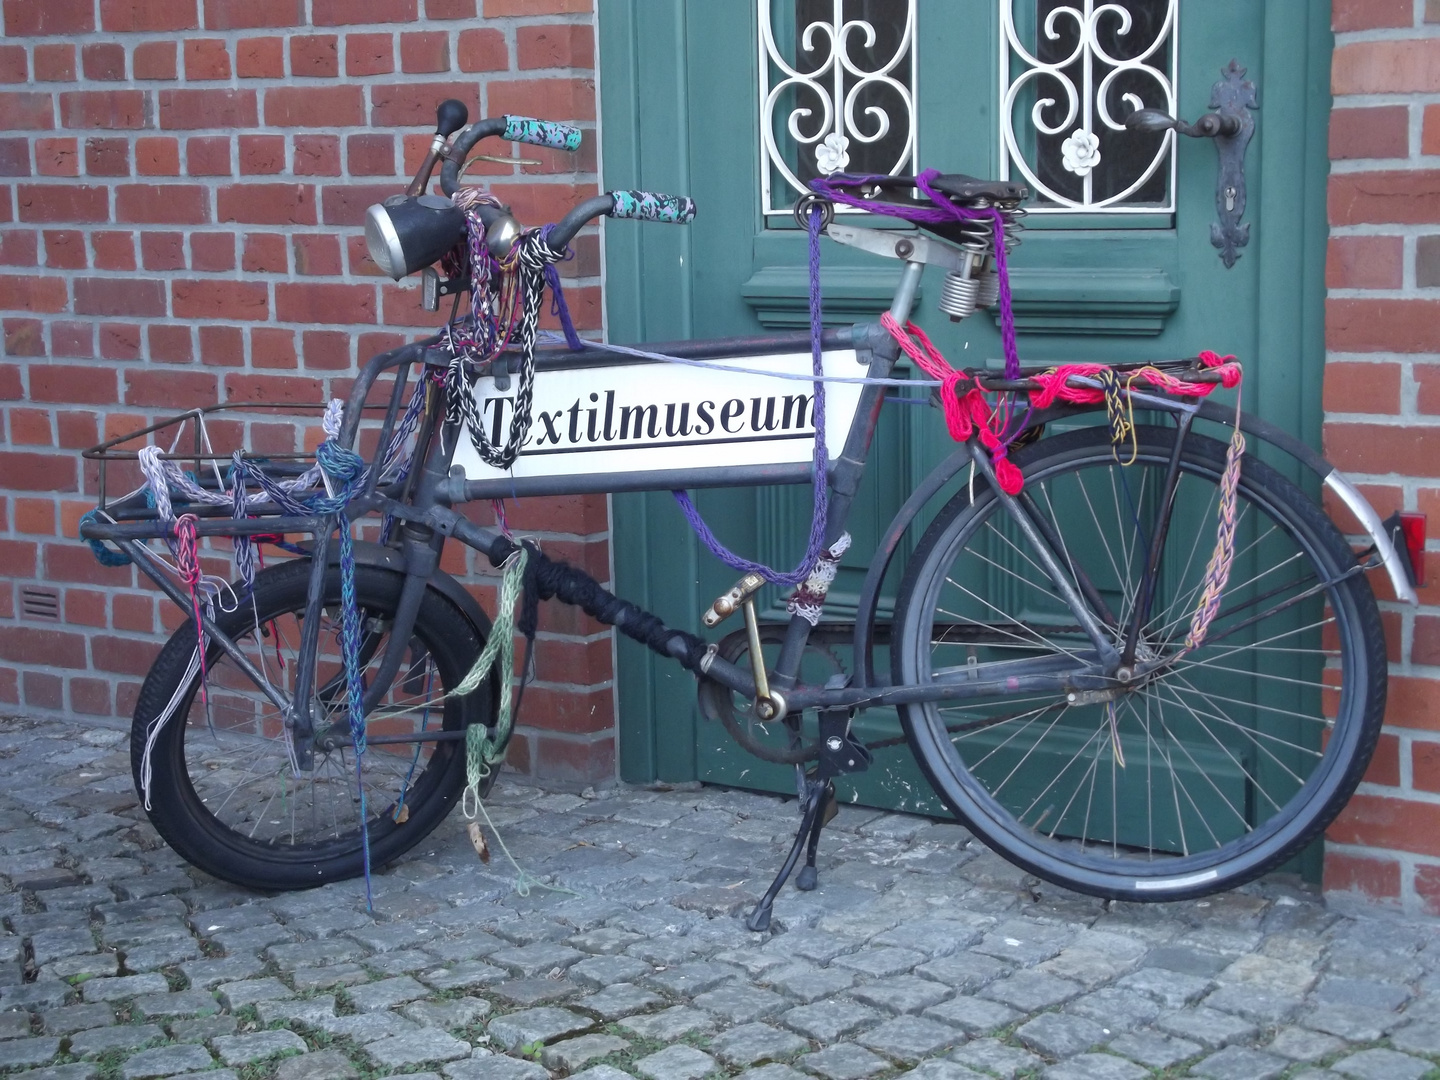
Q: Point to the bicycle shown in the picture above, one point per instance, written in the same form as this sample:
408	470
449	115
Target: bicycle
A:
1054	674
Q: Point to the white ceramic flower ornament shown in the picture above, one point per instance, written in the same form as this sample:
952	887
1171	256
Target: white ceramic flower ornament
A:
831	156
1080	153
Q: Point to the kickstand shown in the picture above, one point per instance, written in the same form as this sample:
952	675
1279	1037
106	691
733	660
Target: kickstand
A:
819	791
840	753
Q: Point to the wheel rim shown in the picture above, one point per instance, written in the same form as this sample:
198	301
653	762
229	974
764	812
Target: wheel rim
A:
237	765
1209	780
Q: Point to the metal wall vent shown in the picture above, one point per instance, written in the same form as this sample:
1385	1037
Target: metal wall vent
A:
40	602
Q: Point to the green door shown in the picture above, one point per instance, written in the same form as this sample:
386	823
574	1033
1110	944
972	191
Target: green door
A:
1116	262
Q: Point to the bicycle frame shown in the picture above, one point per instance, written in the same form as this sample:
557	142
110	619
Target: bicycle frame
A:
424	505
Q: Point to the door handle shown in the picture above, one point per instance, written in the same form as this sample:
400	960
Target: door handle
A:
1231	123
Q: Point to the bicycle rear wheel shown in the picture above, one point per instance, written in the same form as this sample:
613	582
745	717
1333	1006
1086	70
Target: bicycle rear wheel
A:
225	791
1216	769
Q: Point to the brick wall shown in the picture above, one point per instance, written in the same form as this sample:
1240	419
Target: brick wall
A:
182	184
1382	402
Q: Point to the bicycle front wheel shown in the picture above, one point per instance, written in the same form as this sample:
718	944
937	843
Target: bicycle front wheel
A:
228	789
1216	768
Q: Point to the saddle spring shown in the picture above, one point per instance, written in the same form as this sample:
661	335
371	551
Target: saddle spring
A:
978	286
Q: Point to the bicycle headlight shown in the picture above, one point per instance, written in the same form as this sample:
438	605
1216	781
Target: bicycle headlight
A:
406	233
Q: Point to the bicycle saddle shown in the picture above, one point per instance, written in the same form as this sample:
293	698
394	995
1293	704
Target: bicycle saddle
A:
967	189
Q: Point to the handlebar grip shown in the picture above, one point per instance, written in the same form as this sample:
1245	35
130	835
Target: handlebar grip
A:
651	206
541	133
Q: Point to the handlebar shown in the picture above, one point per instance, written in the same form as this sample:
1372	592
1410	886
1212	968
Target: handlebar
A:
523	129
645	205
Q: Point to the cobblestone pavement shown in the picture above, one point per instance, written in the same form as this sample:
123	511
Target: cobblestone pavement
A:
921	953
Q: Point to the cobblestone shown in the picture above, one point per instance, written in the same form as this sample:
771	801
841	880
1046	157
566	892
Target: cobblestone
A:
919	947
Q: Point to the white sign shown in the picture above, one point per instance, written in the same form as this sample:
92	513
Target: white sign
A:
653	417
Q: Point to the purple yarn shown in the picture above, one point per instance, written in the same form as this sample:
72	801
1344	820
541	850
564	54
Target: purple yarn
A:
945	211
821	459
558	307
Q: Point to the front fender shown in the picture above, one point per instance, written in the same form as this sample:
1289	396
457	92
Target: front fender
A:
372	554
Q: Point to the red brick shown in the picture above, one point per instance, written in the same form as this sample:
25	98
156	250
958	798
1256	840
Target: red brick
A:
425	52
109	110
66	384
90	697
36	517
1365	262
27	471
33	294
371	155
1370	133
113	250
260	58
554	99
1412	702
1375	878
325	350
127	656
26	111
154	60
107	157
14	64
250	14
1386	67
209	109
354	12
1406	197
103	61
1362	388
54	63
133	611
32	645
44	691
450	9
1378	449
170	344
346	204
369	54
148	16
25	18
1393	824
206	58
315	56
19	247
267	204
119	296
119	341
170	388
162	250
85	607
317	155
483	49
1382	325
498	8
536	204
271	347
315	106
57	157
236	301
78	430
1428	376
577	762
413	104
24	337
270	388
222	346
310	303
64	250
157	156
1347	15
561	45
72	339
318	255
14	157
169	204
208	155
265	253
262	155
212	253
29	427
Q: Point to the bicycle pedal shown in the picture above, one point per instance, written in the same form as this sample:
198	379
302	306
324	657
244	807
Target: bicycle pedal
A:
729	602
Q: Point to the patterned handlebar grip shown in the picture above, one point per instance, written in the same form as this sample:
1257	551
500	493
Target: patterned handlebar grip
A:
541	133
650	206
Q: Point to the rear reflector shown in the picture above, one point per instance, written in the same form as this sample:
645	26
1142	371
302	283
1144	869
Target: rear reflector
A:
1407	532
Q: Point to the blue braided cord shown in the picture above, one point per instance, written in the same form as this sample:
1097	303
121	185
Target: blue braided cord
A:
103	555
415	758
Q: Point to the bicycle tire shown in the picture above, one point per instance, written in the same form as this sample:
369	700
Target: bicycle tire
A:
1149	867
197	752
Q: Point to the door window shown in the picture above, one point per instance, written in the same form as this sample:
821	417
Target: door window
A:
837	93
1070	74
